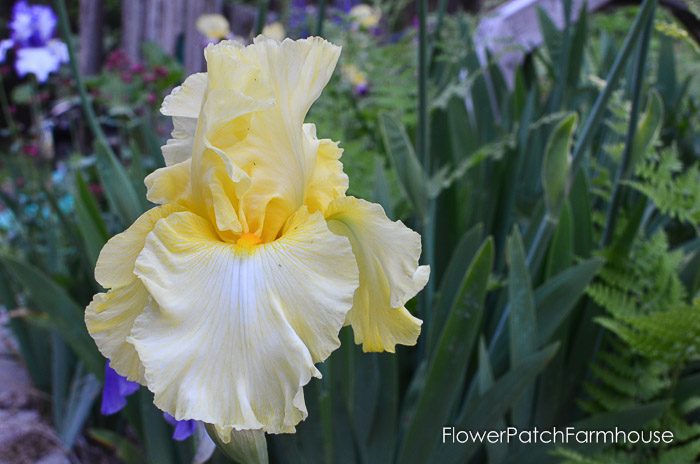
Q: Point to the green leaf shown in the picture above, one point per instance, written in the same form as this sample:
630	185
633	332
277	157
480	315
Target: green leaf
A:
84	390
556	165
382	434
626	419
578	48
382	194
561	254
595	117
522	321
23	94
126	451
409	170
484	411
496	451
581	211
65	314
556	298
93	230
156	433
647	131
119	190
687	388
452	279
32	343
448	367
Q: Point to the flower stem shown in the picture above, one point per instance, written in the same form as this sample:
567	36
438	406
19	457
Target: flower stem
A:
620	174
6	112
422	136
261	17
90	115
321	17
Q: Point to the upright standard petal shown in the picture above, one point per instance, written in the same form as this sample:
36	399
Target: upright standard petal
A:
185	101
328	180
184	105
233	331
282	152
387	255
179	147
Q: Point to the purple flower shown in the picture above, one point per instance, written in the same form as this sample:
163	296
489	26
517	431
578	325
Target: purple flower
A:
346	5
117	388
361	90
32	31
297	17
183	428
115	391
32	26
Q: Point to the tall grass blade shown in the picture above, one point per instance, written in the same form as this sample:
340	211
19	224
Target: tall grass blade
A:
448	367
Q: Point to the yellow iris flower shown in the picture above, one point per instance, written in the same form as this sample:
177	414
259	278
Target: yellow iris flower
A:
274	31
365	16
213	26
353	75
222	298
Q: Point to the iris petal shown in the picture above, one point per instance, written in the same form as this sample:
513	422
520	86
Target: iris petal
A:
110	316
186	100
233	332
109	319
387	255
115	265
222	300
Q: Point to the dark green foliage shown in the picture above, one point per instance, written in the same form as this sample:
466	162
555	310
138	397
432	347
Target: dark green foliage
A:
559	214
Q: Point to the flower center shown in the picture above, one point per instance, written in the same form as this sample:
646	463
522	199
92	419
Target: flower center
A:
248	240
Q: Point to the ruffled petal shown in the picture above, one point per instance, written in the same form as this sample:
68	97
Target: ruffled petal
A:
115	265
109	319
278	152
179	147
298	71
328	181
213	26
387	255
171	184
186	100
233	331
184	104
40	61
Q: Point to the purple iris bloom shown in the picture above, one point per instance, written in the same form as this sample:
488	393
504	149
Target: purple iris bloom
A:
346	5
361	90
32	35
115	391
32	26
297	17
117	388
183	428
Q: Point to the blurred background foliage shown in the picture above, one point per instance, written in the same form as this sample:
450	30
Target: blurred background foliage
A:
559	203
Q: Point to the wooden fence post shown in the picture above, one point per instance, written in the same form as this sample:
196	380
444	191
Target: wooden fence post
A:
194	42
132	27
91	19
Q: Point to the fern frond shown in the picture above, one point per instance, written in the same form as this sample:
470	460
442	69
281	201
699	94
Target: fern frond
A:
675	191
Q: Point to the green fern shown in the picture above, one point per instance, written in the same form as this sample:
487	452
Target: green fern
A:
654	333
674	189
